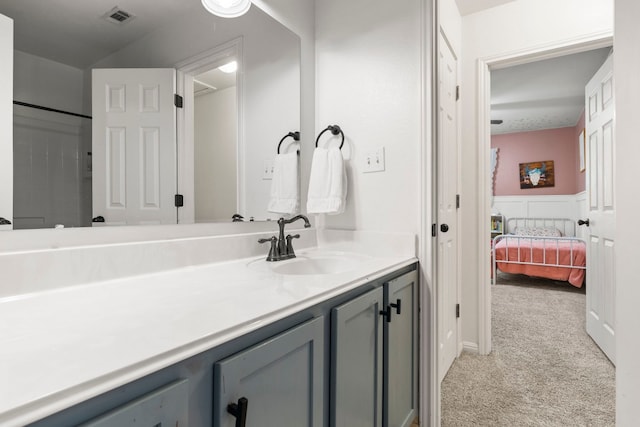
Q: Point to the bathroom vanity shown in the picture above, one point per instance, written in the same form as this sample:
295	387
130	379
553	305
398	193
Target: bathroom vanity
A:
323	339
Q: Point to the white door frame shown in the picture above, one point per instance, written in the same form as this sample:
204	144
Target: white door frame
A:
429	390
485	65
186	69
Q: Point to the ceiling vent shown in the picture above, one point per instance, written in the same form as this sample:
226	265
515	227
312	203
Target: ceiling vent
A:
118	16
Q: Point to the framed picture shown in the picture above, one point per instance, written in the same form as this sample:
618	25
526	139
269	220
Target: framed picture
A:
581	149
537	174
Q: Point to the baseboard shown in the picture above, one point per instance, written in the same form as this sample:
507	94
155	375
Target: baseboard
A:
470	347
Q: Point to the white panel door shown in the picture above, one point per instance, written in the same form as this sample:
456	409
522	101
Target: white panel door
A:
447	274
600	140
134	146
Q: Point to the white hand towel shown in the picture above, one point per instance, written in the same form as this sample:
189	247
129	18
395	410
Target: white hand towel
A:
285	197
328	182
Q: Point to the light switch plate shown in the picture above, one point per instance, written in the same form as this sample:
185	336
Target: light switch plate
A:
374	160
267	170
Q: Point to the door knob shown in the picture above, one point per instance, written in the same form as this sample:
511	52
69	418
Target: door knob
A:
444	228
583	222
239	410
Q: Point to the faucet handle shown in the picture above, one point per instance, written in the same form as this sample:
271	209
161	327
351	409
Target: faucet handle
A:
290	253
273	250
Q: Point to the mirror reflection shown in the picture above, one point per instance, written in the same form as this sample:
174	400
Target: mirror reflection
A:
215	96
225	138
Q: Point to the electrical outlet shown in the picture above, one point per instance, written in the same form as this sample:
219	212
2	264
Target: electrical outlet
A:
267	170
374	161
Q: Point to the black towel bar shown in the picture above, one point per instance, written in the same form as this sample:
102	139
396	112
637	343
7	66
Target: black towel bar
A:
295	135
335	130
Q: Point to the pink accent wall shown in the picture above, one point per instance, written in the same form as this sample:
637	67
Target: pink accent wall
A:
581	179
559	145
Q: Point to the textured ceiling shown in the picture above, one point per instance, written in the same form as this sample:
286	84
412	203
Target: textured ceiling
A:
545	94
75	33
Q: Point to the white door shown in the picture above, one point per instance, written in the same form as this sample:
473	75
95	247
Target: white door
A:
447	147
600	140
134	146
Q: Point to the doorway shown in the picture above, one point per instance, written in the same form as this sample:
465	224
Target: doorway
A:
193	81
486	66
484	85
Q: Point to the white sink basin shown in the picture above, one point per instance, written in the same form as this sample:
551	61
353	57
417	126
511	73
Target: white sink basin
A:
313	263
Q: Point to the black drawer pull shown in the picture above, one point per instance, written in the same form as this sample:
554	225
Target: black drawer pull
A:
397	306
239	410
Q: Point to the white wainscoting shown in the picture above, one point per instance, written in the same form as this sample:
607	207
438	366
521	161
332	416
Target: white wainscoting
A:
561	206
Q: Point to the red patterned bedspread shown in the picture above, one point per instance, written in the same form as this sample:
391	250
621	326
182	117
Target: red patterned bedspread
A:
541	252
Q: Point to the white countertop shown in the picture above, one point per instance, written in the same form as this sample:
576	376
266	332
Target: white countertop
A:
63	346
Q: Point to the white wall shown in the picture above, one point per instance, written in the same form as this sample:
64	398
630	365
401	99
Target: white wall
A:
626	59
369	83
450	23
513	27
47	158
215	155
6	120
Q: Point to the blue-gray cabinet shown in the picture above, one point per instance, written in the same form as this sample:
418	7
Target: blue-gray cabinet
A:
339	363
167	406
401	351
276	383
374	366
356	361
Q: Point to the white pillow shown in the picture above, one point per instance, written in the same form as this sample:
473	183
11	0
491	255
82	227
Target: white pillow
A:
537	231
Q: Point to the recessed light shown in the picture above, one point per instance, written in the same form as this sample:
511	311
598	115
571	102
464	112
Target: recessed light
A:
230	67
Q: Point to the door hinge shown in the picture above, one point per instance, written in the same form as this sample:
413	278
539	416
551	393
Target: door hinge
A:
179	200
433	230
457	201
178	101
457	311
457	92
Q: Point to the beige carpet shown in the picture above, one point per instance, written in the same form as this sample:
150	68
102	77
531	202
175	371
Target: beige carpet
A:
544	369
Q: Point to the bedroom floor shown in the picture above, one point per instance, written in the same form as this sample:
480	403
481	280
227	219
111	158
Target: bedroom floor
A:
544	369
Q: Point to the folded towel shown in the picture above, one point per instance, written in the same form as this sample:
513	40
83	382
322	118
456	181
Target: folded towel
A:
328	182
285	197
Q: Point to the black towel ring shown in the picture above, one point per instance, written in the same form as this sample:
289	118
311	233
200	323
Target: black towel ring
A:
335	129
295	135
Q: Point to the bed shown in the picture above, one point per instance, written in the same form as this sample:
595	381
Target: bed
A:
541	247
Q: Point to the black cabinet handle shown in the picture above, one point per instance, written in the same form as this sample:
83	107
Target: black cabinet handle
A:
444	228
386	313
583	222
239	410
397	306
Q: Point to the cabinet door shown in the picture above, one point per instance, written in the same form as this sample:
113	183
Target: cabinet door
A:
356	369
167	406
281	378
401	352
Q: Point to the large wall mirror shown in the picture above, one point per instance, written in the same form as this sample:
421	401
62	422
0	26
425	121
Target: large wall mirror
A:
226	134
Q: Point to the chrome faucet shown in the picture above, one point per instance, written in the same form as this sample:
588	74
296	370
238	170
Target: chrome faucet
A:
281	247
